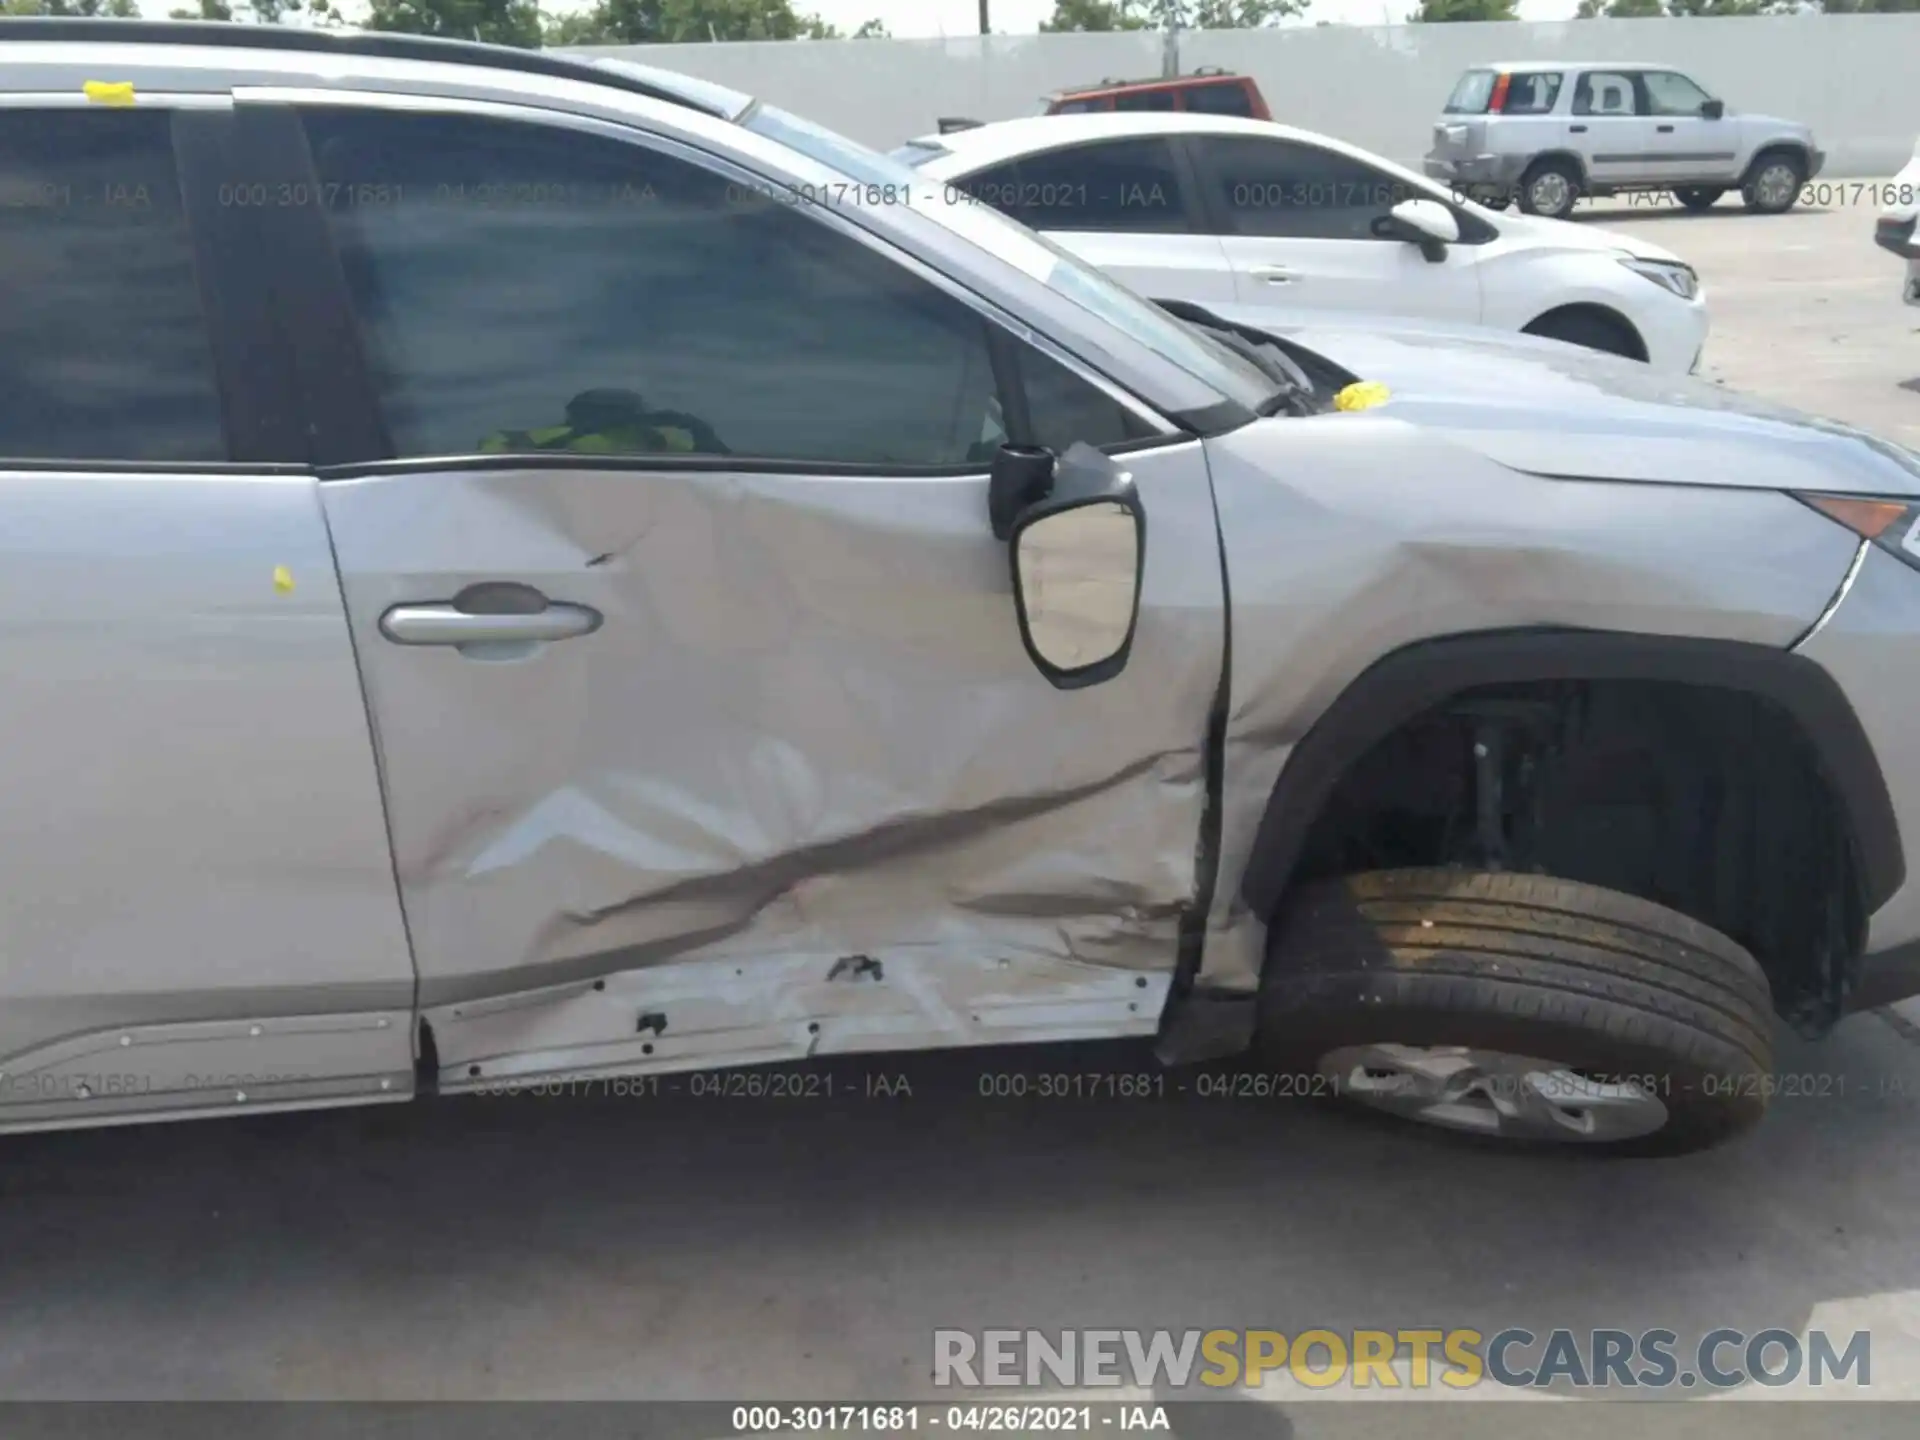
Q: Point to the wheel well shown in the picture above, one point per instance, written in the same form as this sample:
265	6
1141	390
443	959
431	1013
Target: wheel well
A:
1729	782
1636	345
1566	158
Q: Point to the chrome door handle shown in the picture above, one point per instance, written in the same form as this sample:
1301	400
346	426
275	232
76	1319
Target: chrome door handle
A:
442	624
1272	274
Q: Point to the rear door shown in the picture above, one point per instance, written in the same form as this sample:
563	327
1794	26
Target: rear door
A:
198	907
1125	205
1610	127
712	738
1296	222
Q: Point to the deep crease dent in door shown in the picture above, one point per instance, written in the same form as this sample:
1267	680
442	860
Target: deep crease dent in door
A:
802	791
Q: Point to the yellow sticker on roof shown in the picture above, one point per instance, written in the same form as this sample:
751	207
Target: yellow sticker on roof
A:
1361	395
109	92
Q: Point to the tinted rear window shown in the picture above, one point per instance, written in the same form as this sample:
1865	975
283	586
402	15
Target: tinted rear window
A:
1220	100
1532	94
104	350
1470	96
1145	100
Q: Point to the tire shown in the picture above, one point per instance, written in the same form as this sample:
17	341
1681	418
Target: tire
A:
1698	197
1549	188
1773	182
1593	987
1589	329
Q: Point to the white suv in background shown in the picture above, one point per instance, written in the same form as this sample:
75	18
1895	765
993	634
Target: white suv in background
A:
1215	209
1548	134
1894	231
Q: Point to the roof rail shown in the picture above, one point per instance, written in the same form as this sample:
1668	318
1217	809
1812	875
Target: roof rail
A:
1208	72
336	42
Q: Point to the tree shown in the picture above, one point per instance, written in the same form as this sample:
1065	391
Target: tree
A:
1655	9
1154	14
875	29
655	22
1098	15
1703	8
71	9
1238	14
501	22
261	12
1433	12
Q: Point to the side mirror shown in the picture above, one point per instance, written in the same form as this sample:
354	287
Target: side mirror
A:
1078	557
1426	223
1713	109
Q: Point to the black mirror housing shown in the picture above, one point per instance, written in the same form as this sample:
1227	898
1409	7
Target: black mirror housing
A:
1020	475
1391	227
1713	109
1079	559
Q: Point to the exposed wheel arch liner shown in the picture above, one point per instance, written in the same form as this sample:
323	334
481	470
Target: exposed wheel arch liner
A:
1413	679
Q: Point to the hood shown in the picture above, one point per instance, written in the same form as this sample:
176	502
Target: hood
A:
1553	409
1572	235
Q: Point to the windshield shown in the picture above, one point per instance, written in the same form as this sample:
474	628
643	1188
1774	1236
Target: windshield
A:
1061	271
1471	95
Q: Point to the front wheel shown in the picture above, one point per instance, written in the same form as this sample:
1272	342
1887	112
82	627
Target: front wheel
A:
1550	189
1519	1008
1774	183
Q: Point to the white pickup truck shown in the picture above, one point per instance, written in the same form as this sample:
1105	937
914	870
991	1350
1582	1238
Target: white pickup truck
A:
1894	230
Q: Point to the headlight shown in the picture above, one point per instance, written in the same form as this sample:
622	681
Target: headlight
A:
1893	525
1667	274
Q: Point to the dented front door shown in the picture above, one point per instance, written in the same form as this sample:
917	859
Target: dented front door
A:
801	789
719	759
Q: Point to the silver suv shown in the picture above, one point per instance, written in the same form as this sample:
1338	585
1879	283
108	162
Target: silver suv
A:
1546	135
521	572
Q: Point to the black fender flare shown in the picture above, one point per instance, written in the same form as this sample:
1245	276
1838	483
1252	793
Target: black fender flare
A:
1408	681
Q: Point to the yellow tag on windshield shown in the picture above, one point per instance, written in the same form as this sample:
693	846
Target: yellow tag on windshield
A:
1361	395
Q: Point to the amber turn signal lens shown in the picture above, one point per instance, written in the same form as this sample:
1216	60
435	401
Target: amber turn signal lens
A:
1869	519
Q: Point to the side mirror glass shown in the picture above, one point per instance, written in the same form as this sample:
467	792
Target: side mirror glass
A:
1713	109
1076	578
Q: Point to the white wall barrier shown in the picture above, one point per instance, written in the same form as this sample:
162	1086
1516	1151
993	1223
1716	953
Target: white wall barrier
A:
1852	77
